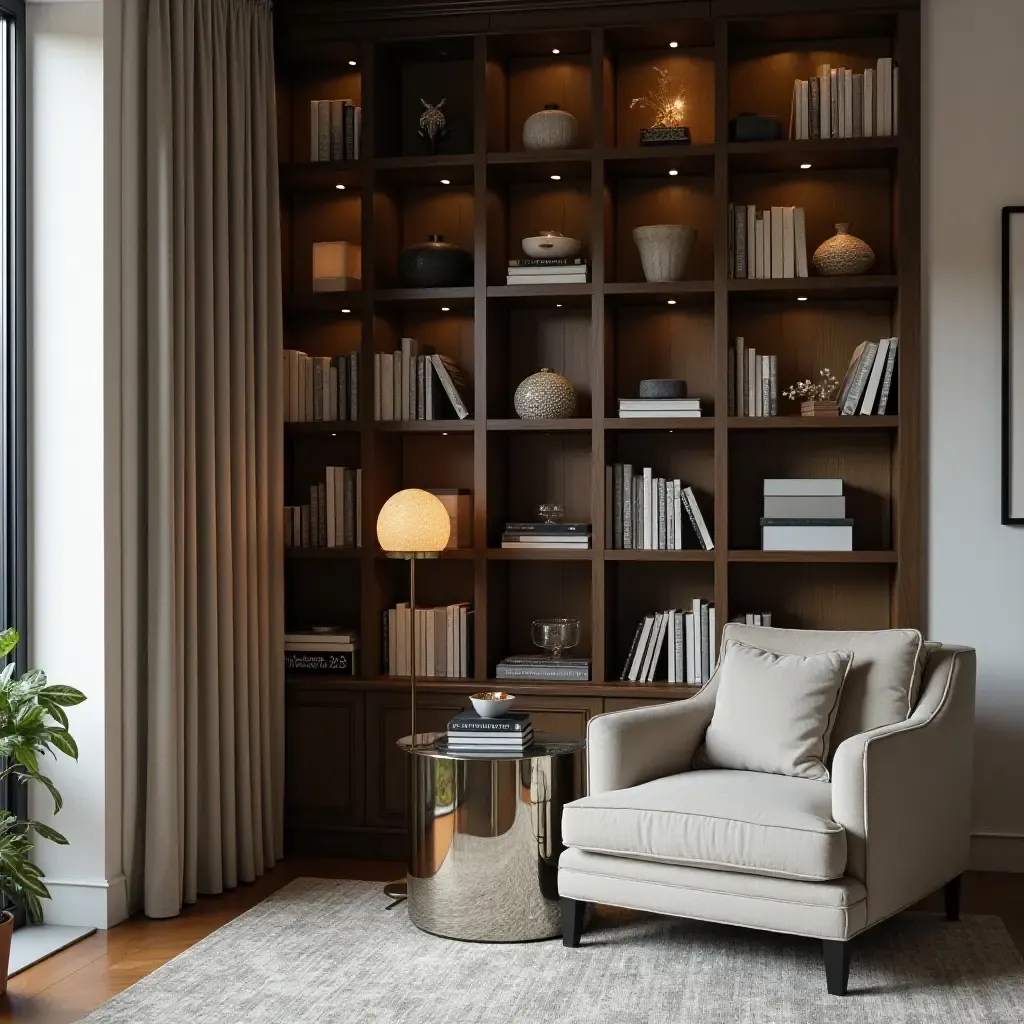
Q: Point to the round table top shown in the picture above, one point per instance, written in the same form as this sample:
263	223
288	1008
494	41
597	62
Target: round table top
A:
433	744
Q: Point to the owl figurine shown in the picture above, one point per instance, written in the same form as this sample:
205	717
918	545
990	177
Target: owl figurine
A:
433	124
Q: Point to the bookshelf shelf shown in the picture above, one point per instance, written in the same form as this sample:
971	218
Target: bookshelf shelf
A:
496	68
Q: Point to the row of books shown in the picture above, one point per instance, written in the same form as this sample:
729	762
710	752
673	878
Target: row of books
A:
673	645
468	733
543	667
649	513
320	388
753	382
444	641
552	271
803	514
658	408
769	244
413	383
840	104
321	650
753	619
335	130
331	519
546	536
871	383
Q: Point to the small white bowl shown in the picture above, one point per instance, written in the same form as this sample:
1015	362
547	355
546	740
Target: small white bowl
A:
492	704
551	245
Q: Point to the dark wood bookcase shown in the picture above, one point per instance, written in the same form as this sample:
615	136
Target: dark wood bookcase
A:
494	62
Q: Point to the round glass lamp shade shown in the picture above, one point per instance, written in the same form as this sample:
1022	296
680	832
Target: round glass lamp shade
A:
413	520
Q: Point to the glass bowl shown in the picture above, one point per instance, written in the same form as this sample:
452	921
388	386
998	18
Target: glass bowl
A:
556	635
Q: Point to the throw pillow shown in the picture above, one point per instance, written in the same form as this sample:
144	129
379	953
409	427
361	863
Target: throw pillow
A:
774	712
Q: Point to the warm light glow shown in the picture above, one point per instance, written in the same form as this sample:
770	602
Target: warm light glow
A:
556	177
558	305
671	302
351	63
672	173
446	181
673	45
340	187
413	520
445	309
556	51
805	167
801	298
346	311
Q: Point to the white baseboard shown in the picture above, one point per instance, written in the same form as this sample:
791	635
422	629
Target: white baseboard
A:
88	902
997	851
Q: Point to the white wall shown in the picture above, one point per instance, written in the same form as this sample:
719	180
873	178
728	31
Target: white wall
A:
973	166
68	584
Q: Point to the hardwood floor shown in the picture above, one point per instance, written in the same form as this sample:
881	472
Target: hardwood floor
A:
71	984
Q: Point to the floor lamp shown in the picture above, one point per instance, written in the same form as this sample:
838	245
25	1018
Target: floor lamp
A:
413	524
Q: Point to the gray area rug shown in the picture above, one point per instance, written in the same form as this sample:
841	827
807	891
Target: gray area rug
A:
320	951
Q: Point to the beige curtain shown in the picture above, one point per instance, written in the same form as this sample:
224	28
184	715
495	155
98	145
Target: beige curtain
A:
200	434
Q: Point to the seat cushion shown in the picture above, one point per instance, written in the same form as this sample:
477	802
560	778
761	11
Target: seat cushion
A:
774	712
881	686
736	821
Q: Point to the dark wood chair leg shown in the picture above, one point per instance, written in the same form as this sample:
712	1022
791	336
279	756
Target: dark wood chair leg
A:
952	894
573	912
837	966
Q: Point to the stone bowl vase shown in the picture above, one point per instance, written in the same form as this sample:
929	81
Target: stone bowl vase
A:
843	254
550	128
545	395
664	250
549	245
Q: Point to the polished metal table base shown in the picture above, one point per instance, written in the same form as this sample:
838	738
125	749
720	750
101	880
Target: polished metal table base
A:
485	840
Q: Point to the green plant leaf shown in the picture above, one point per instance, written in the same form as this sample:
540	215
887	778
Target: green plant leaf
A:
48	833
64	741
58	800
26	757
30	718
33	908
56	711
8	641
66	695
14	868
5	675
34	679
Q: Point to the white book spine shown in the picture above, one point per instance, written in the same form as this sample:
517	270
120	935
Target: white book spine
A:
751	231
337	129
697	676
869	103
751	382
778	232
677	501
766	219
648	509
759	248
712	638
826	102
758	406
672	647
788	242
800	241
740	371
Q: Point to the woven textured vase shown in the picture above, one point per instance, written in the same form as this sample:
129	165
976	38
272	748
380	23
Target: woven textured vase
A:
843	254
550	128
545	395
664	250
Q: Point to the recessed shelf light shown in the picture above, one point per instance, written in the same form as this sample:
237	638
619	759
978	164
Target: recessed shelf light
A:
346	311
334	435
351	63
445	309
672	173
556	177
556	51
444	433
801	298
671	302
805	167
340	188
558	305
673	44
446	181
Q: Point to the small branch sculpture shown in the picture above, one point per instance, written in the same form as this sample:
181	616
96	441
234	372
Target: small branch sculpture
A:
823	390
666	100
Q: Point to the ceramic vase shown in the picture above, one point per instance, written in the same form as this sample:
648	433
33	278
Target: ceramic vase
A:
550	128
843	254
435	264
545	395
551	245
664	250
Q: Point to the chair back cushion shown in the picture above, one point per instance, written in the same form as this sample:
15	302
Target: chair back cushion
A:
882	684
774	712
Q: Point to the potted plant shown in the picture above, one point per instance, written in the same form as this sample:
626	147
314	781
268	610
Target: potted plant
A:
33	723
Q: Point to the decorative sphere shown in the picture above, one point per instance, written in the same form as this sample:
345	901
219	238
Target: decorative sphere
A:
545	395
413	520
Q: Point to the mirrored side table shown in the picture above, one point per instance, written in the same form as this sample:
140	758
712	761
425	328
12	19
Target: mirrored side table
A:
485	837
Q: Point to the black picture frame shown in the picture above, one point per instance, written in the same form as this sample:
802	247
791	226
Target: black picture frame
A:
1012	354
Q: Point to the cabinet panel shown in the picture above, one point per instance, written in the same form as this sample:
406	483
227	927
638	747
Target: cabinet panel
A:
324	757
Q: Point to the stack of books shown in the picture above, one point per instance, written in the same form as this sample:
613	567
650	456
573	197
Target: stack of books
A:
575	270
653	408
838	104
543	667
546	536
870	385
673	645
753	382
336	128
413	383
321	650
649	513
769	244
331	519
753	618
444	641
805	515
468	733
320	388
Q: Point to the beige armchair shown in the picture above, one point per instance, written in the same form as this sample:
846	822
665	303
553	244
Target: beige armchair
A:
821	859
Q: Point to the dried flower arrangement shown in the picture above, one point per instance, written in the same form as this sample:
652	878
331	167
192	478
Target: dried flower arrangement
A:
817	398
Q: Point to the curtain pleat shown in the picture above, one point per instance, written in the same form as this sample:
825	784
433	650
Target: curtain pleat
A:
202	646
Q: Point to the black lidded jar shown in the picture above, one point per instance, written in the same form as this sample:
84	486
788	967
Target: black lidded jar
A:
435	264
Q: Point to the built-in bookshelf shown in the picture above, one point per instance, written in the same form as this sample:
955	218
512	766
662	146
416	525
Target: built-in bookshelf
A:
496	66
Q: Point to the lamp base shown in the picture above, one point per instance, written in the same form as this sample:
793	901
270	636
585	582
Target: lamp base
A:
408	556
398	890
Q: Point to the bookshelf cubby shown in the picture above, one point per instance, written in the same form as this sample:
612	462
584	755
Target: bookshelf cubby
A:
495	67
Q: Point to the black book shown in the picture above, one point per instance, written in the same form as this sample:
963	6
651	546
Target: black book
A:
624	675
471	722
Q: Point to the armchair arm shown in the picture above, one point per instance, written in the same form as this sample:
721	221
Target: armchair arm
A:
903	792
626	748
